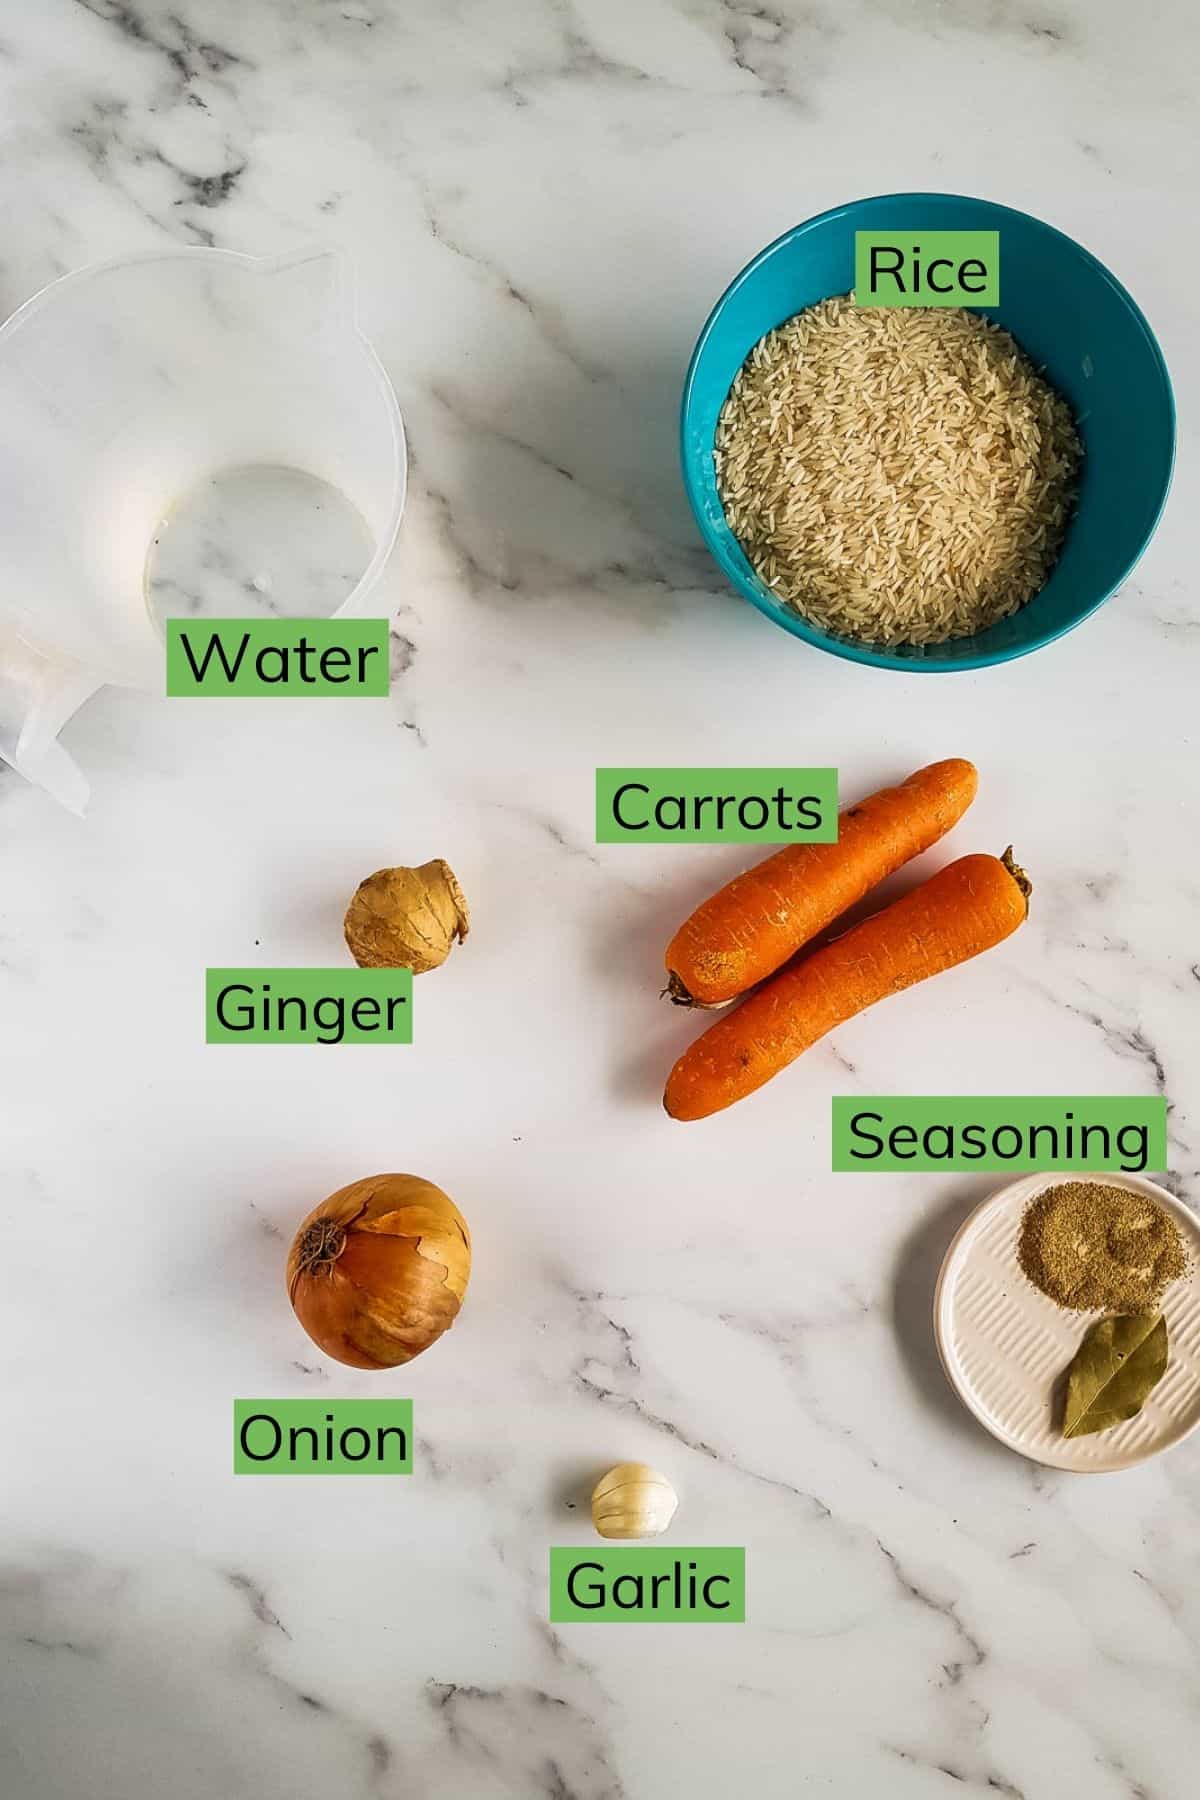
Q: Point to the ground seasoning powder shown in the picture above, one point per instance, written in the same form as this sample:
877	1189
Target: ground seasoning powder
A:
1089	1247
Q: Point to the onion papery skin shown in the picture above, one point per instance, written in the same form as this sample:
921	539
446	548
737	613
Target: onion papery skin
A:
378	1271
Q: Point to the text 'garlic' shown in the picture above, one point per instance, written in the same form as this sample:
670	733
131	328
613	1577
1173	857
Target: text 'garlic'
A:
633	1501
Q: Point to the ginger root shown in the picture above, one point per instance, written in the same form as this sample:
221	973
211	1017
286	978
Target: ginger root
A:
407	918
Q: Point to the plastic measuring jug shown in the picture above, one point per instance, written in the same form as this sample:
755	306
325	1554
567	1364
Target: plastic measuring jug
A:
128	385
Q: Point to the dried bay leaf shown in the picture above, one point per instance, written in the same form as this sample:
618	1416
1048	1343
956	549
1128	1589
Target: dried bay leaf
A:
1119	1361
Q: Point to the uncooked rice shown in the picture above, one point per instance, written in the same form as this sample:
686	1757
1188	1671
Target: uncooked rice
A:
898	475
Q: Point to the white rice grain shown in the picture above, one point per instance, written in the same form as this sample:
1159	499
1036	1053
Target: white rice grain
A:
899	476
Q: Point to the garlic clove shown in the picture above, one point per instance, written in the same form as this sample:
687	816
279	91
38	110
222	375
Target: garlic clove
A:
633	1501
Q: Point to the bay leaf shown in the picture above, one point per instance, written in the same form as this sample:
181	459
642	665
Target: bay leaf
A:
1119	1361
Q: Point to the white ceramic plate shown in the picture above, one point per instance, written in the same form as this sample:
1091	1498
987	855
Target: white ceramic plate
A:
1004	1345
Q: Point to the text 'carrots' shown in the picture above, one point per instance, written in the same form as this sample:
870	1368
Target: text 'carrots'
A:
964	909
761	918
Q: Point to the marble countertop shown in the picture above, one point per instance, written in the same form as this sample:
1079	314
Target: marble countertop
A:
541	200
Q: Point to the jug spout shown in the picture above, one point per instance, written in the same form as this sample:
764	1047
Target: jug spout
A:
38	694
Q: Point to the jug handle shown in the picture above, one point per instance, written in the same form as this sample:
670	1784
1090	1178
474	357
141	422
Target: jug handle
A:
38	694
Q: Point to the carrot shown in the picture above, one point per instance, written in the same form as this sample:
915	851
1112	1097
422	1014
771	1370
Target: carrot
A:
761	918
965	908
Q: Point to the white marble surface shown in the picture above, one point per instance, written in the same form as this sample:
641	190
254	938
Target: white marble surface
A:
542	199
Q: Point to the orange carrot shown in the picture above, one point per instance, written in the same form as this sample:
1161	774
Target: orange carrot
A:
751	927
967	907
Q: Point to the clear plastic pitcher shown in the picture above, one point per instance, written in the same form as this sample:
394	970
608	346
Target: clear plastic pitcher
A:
125	389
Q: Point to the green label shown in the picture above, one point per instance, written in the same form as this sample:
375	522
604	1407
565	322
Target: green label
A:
308	1006
1079	1132
927	268
716	806
702	1585
322	1437
240	658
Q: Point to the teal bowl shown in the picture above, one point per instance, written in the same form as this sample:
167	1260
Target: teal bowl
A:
1073	319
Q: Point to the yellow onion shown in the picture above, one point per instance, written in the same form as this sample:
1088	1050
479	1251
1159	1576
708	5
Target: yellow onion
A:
378	1271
